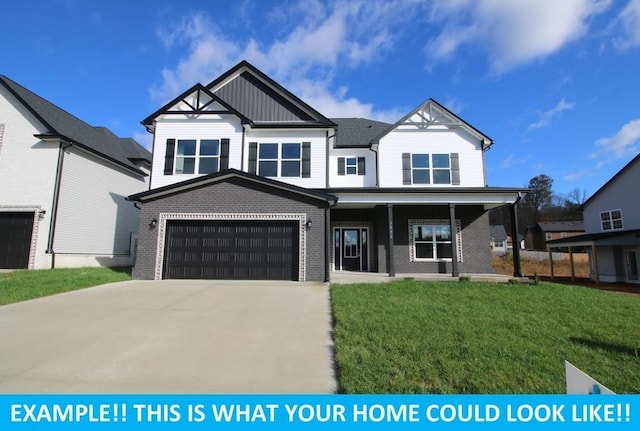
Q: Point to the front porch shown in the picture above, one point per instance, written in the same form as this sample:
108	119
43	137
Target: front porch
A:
349	277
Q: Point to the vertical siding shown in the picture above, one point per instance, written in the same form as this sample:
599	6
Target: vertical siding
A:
202	127
318	139
432	140
367	180
93	215
616	196
27	168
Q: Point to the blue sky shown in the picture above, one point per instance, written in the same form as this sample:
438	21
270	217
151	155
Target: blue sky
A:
555	83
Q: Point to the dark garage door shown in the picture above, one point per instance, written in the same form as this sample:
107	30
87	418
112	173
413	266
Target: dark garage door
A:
241	250
15	239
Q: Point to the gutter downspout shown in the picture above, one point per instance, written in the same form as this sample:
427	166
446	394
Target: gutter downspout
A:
371	148
517	268
54	204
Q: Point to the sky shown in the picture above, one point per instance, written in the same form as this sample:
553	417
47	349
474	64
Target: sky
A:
555	83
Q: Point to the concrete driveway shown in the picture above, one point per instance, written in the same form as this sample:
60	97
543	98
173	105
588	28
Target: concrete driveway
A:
171	337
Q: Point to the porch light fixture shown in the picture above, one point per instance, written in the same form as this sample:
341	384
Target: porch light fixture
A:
308	224
153	223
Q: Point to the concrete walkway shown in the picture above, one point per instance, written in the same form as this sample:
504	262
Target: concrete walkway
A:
171	337
345	277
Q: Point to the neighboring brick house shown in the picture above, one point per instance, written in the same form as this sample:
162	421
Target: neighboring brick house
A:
250	182
63	186
537	236
612	228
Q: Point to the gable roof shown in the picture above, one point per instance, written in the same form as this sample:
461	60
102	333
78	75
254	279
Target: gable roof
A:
264	101
452	120
497	232
63	125
206	180
613	179
357	132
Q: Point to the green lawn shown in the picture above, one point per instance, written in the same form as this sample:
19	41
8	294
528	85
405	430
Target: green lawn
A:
463	337
22	285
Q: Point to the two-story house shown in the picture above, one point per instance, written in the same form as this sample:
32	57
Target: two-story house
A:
63	186
537	235
250	182
612	228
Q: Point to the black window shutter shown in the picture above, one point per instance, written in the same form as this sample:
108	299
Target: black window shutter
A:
360	165
168	156
406	168
306	159
224	154
340	165
253	157
455	169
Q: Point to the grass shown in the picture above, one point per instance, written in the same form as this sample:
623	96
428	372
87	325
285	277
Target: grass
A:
530	267
23	285
442	337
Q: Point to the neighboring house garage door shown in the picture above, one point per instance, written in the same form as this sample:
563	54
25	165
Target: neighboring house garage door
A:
15	239
232	249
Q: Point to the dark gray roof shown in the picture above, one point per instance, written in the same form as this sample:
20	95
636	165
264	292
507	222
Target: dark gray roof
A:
357	132
98	140
562	226
498	233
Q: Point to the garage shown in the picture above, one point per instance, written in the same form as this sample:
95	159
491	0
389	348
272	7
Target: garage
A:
15	239
232	249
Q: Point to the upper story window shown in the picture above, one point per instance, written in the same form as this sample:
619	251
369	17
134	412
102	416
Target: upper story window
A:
351	165
196	156
425	168
548	236
287	159
611	220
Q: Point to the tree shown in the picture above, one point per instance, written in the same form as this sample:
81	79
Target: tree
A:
539	198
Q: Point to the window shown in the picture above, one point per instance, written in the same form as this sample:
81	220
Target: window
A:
563	234
611	220
498	244
283	160
351	165
432	240
548	236
430	168
194	156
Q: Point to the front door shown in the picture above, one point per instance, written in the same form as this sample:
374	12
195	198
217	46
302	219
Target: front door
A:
350	249
631	262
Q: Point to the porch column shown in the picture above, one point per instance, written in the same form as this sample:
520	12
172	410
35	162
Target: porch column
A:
327	244
595	263
573	270
551	262
454	241
390	257
517	269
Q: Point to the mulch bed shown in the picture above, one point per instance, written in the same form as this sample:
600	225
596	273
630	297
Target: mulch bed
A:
632	289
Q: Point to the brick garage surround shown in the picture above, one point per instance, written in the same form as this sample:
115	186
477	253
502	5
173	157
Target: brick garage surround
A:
233	196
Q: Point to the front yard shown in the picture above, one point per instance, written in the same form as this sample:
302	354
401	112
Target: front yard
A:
463	337
23	285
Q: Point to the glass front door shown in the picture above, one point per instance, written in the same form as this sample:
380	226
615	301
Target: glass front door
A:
351	249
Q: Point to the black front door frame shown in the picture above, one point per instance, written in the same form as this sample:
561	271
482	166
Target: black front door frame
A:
360	250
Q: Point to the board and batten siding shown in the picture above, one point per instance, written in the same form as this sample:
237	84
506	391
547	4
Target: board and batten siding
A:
27	169
203	127
616	196
434	140
318	140
94	218
366	180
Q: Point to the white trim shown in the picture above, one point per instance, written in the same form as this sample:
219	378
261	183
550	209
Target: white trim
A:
426	198
164	217
2	126
34	230
444	222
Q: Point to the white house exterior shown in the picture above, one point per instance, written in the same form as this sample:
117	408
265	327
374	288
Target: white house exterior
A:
248	181
64	184
612	228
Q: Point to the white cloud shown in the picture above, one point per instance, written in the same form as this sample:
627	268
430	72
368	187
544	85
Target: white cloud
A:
143	138
625	141
318	39
629	20
454	105
513	160
547	116
512	32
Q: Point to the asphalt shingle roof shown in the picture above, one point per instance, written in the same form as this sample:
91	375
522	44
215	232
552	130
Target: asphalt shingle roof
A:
357	132
99	140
